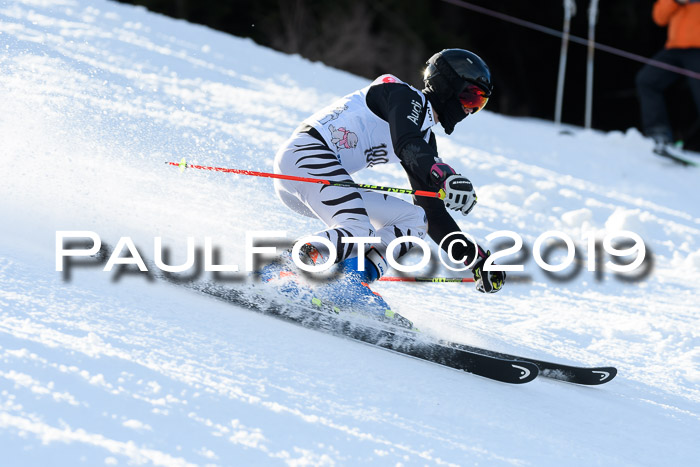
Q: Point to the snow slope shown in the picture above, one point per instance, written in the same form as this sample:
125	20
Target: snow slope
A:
96	369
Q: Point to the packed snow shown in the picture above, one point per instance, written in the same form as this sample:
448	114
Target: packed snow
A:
100	368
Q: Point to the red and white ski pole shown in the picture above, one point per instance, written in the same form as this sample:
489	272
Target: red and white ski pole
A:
429	194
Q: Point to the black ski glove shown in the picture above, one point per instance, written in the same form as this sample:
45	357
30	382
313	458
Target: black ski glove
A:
487	281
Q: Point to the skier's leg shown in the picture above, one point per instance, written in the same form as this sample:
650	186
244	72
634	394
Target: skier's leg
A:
344	212
651	83
394	218
354	213
691	61
347	212
341	209
361	213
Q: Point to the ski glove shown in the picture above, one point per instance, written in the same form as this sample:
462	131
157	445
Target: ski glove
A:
459	191
487	281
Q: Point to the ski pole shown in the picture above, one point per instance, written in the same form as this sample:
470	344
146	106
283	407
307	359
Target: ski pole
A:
429	194
511	279
425	279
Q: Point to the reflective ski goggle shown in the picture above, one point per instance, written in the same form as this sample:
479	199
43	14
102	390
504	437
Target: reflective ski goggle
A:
473	98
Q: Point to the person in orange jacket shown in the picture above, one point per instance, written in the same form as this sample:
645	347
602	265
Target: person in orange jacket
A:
682	49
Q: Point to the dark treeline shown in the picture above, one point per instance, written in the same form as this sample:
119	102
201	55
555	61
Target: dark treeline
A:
371	37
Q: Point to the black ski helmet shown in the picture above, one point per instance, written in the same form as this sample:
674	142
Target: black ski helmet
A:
448	73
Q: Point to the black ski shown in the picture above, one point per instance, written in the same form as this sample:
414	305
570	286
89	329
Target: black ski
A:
397	339
679	160
590	376
404	340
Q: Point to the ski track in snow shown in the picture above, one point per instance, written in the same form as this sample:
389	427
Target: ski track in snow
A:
97	95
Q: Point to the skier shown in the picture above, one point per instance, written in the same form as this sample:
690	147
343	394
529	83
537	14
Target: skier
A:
682	49
388	121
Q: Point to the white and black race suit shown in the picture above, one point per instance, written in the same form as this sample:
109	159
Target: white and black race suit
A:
386	122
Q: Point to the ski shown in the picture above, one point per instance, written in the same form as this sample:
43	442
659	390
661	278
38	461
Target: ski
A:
512	371
401	340
678	160
408	341
589	376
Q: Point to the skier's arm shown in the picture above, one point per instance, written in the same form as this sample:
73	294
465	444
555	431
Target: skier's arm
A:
403	108
441	223
663	10
405	111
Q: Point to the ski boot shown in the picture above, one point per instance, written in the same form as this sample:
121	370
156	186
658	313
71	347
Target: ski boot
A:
351	291
283	275
664	147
